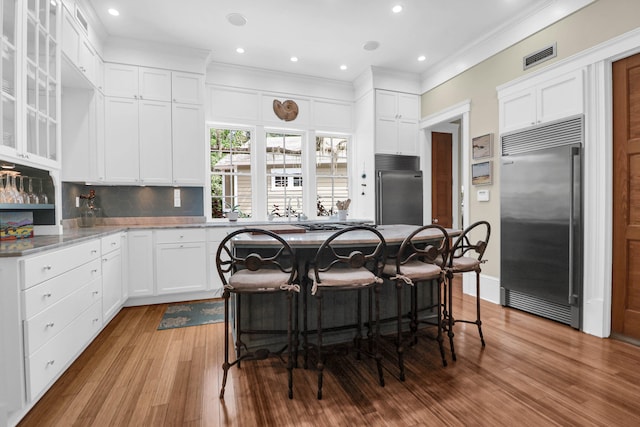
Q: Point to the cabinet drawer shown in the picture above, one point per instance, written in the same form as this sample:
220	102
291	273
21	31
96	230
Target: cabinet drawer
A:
51	264
44	295
47	324
44	365
216	234
111	243
179	235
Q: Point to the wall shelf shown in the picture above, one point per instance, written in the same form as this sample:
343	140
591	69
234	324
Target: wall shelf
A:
25	207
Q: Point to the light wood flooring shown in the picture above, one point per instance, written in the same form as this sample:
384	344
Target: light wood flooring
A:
532	372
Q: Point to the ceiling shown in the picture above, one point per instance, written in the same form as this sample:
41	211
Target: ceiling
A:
322	34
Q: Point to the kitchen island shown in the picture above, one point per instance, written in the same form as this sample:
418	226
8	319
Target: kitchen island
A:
265	311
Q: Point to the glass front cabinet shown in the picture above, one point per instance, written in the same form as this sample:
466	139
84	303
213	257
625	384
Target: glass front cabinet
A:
30	82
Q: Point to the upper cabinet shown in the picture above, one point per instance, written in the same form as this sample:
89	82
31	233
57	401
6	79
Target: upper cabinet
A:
397	117
30	83
78	50
543	102
187	88
128	81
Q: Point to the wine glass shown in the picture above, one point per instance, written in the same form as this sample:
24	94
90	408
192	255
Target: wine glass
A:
14	197
42	196
33	197
3	192
22	196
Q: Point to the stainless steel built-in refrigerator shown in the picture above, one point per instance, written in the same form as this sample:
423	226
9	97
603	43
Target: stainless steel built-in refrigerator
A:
399	197
541	220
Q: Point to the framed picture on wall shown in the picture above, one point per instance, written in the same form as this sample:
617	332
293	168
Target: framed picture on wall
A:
482	146
481	173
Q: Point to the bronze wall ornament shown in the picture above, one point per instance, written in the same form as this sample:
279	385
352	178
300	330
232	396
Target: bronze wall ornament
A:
287	110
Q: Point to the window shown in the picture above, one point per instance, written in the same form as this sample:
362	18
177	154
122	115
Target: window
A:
230	172
273	175
332	178
284	174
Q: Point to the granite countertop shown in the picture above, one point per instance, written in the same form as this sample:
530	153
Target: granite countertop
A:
72	235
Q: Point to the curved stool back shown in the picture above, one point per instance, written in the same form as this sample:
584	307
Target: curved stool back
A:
419	261
338	267
272	269
465	257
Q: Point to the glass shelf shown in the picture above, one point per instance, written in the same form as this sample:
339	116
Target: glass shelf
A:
25	206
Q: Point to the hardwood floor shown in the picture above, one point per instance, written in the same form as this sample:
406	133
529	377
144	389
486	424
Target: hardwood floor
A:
532	372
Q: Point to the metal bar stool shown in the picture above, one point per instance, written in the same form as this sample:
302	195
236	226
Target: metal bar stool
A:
337	267
419	262
466	257
272	270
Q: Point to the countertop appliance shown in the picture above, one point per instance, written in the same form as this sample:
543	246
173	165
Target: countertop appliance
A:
398	190
541	220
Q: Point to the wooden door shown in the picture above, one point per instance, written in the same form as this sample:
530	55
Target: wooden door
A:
441	179
626	198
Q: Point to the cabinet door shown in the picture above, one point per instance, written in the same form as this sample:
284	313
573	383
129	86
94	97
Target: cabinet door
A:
155	141
408	133
386	104
121	153
518	111
186	88
77	135
560	97
121	80
70	37
386	135
140	254
188	144
98	156
408	107
111	284
181	267
154	84
87	60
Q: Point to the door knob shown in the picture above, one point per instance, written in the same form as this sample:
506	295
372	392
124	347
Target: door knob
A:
435	220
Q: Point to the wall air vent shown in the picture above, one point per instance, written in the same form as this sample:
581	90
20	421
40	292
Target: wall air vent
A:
540	56
82	20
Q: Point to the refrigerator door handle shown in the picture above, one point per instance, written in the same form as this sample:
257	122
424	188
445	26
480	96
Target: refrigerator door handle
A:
379	197
575	154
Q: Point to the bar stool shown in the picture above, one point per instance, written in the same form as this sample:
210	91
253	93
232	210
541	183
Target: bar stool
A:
466	257
270	271
337	267
419	262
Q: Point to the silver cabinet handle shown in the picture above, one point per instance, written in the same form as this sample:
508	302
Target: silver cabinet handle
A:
49	325
47	295
47	267
51	362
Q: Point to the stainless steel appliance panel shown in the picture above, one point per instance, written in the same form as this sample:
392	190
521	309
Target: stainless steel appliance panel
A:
399	197
540	224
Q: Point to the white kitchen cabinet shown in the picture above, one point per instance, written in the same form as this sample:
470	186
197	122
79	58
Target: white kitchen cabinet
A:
188	144
83	135
111	276
544	102
137	146
77	48
396	124
214	237
130	81
140	260
61	300
31	127
187	88
181	261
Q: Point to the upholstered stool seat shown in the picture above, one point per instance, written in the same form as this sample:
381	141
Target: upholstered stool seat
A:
466	257
338	268
417	262
272	269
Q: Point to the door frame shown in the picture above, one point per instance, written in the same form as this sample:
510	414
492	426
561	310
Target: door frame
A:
441	122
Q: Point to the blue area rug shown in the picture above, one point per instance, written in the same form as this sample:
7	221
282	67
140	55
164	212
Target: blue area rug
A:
192	314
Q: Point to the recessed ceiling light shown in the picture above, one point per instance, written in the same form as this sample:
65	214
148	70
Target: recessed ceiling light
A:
113	12
240	50
343	67
236	19
371	45
397	8
422	58
53	3
294	59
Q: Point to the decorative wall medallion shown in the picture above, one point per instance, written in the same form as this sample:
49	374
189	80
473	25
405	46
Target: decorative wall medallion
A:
287	110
